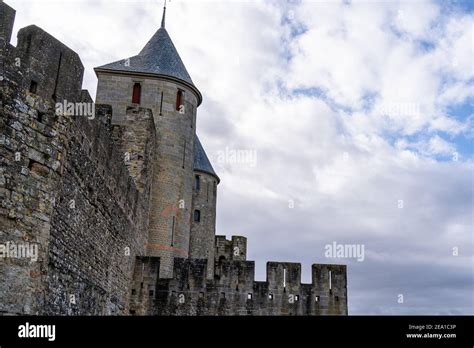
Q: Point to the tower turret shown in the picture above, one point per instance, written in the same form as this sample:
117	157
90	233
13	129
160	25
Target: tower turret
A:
156	78
203	224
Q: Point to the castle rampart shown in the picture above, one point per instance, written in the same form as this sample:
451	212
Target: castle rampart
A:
67	189
234	291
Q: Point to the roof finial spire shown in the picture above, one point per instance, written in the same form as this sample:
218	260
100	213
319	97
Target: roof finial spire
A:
164	15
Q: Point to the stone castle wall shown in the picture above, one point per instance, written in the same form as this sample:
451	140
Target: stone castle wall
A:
30	154
93	245
66	188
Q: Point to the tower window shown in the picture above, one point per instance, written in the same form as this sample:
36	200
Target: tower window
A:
316	298
184	153
270	297
172	231
33	87
161	104
249	296
179	99
137	93
215	189
197	182
197	216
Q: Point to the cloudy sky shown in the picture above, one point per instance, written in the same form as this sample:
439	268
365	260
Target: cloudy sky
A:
358	116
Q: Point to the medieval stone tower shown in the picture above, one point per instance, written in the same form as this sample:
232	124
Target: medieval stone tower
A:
182	219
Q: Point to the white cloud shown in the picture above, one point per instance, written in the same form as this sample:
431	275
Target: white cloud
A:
434	146
439	146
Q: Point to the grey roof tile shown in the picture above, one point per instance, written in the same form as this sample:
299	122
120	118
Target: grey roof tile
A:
201	161
159	56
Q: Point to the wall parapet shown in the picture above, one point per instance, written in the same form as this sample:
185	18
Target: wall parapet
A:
234	290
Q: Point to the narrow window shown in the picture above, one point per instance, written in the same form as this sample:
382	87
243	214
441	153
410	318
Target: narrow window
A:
31	164
330	280
134	291
54	96
197	216
249	296
161	104
151	292
316	298
172	231
297	298
33	87
197	181
215	189
137	93
184	152
28	45
179	99
40	116
270	297
201	295
207	192
222	294
336	298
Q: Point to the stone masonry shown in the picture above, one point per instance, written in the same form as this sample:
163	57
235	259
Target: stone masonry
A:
109	208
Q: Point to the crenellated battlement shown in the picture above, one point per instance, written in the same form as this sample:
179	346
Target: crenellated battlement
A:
234	290
39	63
233	249
7	20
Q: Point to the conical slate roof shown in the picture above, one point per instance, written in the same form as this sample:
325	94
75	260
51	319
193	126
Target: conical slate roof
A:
158	57
201	161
